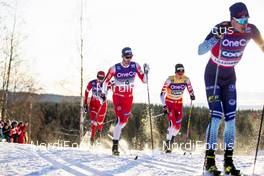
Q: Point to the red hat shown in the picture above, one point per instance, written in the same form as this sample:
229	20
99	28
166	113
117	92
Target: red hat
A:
101	74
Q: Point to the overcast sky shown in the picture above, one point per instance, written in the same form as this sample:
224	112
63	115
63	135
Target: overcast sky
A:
160	32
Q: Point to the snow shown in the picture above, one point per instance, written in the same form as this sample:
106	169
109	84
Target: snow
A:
29	160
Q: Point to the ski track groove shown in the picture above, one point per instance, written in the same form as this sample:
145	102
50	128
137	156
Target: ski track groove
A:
59	165
170	165
76	165
129	164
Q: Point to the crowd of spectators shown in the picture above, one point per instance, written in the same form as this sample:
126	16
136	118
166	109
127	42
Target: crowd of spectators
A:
14	132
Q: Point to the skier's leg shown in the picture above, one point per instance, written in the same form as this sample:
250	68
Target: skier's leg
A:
171	120
117	100
100	119
229	105
171	131
122	108
216	113
93	131
169	137
178	117
94	107
117	128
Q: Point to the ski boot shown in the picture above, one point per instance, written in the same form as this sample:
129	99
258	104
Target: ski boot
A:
115	148
210	166
168	147
229	167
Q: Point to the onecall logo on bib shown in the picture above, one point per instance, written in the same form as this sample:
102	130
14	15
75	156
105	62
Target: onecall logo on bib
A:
234	43
126	75
177	87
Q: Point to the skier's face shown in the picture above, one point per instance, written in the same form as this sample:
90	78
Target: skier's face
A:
127	59
100	79
180	73
240	24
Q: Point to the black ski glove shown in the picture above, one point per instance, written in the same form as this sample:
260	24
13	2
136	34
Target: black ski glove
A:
103	97
165	110
192	97
85	108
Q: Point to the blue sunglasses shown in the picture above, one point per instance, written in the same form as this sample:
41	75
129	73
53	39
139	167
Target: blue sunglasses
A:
241	21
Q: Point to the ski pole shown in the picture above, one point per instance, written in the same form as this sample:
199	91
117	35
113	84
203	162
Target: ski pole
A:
109	121
189	122
151	134
188	125
156	116
260	129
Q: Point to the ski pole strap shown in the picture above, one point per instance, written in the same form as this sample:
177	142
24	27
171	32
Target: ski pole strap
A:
159	115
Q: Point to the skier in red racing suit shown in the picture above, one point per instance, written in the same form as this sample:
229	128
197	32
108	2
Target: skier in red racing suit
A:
124	74
97	107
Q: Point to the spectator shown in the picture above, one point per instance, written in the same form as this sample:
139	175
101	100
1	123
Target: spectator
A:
6	130
21	132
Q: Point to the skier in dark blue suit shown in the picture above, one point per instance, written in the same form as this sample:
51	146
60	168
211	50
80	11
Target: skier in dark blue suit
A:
227	42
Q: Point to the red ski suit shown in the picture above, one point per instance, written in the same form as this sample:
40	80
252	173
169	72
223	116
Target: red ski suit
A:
96	110
123	89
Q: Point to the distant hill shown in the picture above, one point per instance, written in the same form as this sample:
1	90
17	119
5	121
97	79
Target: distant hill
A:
57	98
22	96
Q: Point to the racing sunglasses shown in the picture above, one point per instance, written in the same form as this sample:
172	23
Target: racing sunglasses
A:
128	57
241	21
100	78
180	70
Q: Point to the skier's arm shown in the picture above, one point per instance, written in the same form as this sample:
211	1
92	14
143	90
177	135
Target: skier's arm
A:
190	89
207	45
86	94
212	38
164	91
109	75
257	37
111	85
141	74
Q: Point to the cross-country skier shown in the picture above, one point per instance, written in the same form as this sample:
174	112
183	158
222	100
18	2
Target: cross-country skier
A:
124	74
227	42
97	106
171	98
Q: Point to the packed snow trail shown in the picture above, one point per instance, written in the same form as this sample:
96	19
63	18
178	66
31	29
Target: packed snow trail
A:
29	160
